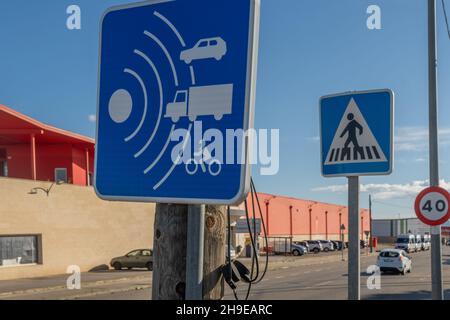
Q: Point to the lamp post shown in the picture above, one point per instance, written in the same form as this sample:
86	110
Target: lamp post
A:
326	225
310	219
291	231
267	202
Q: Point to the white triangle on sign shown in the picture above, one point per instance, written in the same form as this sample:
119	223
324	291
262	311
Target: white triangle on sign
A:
353	141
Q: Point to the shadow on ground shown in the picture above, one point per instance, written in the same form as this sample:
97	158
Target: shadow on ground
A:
411	295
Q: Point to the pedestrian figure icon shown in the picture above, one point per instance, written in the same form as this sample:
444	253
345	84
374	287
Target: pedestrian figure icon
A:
354	141
352	138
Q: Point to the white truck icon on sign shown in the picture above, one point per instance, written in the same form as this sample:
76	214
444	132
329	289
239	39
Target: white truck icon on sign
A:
213	100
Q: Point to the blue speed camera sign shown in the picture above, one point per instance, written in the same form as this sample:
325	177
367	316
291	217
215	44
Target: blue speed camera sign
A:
357	133
176	92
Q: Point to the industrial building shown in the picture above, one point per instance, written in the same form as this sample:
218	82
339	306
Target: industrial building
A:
36	151
45	227
386	230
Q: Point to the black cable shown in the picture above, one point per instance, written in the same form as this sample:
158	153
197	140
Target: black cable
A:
253	279
253	248
229	248
266	239
446	18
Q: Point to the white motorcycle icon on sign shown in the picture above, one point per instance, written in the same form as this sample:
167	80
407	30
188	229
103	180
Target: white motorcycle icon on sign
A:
214	167
213	100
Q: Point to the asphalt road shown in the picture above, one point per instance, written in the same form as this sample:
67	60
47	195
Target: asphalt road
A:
323	280
328	281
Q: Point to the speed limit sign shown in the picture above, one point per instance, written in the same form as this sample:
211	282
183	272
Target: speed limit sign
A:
432	206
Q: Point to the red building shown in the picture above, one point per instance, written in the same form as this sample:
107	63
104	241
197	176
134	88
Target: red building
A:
33	150
305	219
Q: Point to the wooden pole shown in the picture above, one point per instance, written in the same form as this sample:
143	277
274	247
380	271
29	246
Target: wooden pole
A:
215	240
170	242
169	249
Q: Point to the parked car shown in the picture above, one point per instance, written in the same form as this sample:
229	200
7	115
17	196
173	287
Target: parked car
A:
303	244
394	260
419	242
426	242
298	250
142	258
327	245
406	242
363	244
232	252
339	245
314	246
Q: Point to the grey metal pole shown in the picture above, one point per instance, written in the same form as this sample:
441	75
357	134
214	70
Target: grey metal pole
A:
370	218
354	226
194	252
436	251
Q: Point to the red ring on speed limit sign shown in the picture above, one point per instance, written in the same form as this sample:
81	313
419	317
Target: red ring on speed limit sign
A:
433	205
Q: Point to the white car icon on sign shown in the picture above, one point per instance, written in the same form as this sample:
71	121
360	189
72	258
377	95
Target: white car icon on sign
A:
205	49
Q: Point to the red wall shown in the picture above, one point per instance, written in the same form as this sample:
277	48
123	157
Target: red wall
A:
48	158
19	165
279	216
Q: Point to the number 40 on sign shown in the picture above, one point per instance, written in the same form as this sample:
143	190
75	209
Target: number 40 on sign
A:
432	206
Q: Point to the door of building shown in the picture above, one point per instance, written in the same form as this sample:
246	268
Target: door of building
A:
3	163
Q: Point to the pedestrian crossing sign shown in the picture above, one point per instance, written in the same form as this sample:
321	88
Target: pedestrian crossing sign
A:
357	133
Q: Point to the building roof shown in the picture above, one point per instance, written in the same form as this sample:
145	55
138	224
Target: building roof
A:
16	128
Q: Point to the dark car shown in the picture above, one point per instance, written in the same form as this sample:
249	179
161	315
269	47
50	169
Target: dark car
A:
339	245
142	258
363	244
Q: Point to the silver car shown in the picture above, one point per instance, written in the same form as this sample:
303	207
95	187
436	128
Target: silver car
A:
314	246
327	245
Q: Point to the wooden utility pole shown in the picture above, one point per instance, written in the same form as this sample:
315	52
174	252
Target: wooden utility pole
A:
215	240
170	239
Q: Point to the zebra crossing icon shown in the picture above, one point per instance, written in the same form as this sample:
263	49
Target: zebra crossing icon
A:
354	141
357	133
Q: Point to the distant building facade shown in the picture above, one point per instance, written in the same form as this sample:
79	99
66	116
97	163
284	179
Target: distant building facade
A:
32	150
386	230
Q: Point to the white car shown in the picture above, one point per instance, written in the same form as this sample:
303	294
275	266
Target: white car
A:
205	49
232	252
394	260
327	245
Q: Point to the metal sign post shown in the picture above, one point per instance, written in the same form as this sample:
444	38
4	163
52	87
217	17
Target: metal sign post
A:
194	252
354	223
356	140
436	251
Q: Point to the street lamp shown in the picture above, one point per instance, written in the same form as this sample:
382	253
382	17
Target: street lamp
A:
267	202
310	218
46	191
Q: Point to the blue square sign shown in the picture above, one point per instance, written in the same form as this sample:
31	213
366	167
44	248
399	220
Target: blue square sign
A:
176	96
357	133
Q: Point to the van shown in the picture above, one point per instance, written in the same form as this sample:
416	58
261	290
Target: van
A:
426	243
406	242
419	242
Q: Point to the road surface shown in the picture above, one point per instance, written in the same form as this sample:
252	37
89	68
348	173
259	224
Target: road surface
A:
323	280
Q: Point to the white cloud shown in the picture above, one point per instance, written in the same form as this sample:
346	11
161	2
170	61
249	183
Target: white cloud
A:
386	191
313	139
416	138
92	118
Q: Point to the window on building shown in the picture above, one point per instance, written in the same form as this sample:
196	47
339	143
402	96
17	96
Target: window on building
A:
61	175
19	250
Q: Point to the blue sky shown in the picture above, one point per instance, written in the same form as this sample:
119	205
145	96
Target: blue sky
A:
307	49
